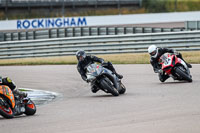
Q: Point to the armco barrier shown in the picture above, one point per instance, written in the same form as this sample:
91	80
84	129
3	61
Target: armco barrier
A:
130	43
1	37
81	31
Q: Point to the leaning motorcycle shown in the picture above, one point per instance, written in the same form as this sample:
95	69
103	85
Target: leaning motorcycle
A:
11	105
104	79
175	67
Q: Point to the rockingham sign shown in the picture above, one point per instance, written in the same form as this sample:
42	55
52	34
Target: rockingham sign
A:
42	23
50	23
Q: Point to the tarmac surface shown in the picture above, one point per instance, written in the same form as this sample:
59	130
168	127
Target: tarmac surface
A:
147	107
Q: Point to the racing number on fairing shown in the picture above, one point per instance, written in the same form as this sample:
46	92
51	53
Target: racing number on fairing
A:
167	62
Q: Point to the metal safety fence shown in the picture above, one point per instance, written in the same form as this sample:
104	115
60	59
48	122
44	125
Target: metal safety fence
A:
109	44
80	31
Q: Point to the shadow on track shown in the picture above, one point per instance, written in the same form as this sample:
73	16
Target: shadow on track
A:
15	117
176	82
108	96
18	117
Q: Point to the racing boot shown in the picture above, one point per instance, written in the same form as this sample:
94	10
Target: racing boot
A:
110	66
180	56
94	89
189	65
119	75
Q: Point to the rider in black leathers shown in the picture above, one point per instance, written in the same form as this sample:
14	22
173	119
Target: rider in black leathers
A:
155	53
84	60
7	81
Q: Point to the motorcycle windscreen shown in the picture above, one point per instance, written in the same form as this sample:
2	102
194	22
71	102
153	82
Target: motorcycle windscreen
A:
7	92
93	71
166	60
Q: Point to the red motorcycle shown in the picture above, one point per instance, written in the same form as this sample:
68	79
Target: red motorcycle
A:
175	67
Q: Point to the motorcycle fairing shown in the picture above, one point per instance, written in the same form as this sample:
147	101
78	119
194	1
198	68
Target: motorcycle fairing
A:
171	61
93	70
7	92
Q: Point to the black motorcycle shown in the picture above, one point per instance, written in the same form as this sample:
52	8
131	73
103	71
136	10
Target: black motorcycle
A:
104	79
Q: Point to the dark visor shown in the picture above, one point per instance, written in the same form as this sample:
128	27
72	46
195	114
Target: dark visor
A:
81	58
153	53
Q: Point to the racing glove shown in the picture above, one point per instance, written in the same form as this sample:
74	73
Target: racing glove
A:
176	52
158	71
87	80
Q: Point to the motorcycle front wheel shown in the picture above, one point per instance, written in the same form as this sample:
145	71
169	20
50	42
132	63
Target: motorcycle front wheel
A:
107	85
5	111
182	74
123	89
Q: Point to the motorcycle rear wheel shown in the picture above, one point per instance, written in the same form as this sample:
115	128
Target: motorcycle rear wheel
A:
183	74
30	108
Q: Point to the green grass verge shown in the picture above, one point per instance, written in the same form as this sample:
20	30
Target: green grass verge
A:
171	5
24	89
70	12
133	58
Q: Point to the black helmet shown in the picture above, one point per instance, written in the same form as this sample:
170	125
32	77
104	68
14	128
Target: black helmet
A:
80	55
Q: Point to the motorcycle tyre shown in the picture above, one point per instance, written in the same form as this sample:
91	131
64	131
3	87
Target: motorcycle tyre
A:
109	88
183	75
123	89
30	109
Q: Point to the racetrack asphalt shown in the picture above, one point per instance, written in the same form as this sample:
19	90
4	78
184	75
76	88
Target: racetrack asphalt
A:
147	107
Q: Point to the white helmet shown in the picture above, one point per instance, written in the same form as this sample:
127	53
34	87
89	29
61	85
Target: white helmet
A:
153	51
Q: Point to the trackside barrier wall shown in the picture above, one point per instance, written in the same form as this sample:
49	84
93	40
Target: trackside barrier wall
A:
81	31
108	44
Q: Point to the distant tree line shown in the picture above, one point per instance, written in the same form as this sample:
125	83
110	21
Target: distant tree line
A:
171	5
148	6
